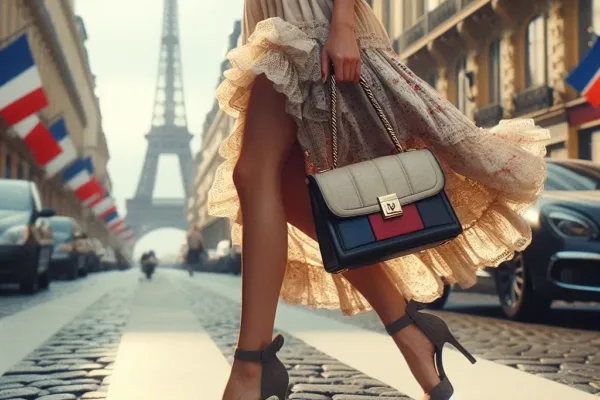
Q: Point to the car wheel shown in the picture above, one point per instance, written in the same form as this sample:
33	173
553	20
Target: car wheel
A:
518	299
44	280
442	300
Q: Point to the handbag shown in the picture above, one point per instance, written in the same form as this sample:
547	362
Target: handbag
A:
380	209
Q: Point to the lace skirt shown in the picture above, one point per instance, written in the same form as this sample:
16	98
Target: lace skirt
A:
492	175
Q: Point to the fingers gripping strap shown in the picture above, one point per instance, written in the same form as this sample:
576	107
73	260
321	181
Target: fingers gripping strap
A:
265	355
399	324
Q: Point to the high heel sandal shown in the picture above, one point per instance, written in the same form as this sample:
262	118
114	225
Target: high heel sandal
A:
274	381
439	334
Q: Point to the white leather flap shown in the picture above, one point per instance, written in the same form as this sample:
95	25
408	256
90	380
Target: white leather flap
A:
353	190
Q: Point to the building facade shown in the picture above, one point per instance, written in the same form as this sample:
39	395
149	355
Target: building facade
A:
217	127
57	39
496	59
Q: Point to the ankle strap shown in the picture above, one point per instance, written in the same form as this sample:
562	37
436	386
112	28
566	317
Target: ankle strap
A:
268	353
399	324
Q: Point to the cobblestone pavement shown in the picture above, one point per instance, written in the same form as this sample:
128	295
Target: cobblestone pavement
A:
313	374
12	301
77	362
568	356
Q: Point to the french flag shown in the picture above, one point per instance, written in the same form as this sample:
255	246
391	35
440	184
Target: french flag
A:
51	148
79	177
585	78
118	226
104	207
21	90
118	230
114	222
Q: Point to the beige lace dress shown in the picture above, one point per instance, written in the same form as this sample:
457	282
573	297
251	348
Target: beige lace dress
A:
492	175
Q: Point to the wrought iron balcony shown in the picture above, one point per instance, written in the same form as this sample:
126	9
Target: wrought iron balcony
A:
489	116
433	19
442	13
533	99
414	33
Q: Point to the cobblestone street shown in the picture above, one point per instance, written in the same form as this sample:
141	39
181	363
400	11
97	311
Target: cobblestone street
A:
81	359
568	356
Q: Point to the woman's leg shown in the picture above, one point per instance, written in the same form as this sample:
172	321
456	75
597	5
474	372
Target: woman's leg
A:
269	134
372	282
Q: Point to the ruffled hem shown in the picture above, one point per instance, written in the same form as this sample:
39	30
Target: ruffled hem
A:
492	176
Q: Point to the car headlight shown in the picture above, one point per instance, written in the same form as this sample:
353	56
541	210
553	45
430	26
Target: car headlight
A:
572	224
16	235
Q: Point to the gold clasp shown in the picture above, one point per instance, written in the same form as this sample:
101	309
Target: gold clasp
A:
390	206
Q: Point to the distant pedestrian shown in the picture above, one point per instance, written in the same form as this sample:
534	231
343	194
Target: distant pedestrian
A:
196	251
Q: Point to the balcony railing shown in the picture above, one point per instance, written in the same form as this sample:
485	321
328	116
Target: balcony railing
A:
430	21
489	116
533	99
442	13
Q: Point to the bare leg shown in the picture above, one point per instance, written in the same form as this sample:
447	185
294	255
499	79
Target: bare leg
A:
372	282
269	134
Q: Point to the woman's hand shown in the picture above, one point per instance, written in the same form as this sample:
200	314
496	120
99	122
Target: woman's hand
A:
342	49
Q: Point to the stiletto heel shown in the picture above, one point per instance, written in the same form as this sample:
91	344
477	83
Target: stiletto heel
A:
439	334
275	380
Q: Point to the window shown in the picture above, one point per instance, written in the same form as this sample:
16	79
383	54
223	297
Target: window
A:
388	15
432	79
413	11
537	53
433	4
495	73
589	24
15	196
461	84
572	175
8	166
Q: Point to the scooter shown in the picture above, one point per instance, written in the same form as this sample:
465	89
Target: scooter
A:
148	269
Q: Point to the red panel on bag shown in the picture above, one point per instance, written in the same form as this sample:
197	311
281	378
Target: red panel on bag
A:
410	221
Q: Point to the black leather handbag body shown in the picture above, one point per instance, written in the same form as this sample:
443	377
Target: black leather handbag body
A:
379	209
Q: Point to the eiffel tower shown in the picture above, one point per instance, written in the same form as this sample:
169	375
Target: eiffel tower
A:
168	135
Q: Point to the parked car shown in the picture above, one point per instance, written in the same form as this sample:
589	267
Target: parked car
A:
25	236
563	259
69	255
95	257
108	260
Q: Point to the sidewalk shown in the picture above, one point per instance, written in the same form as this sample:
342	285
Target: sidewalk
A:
172	339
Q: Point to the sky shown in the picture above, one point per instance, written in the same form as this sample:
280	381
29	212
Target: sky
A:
123	45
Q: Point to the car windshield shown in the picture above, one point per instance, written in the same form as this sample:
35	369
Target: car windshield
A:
569	175
15	196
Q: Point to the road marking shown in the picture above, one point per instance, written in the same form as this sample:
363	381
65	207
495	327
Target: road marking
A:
359	348
25	331
165	353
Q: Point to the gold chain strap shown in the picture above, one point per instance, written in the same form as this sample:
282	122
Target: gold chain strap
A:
334	114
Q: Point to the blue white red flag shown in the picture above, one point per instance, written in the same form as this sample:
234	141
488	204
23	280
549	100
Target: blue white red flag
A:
117	226
21	90
51	148
111	218
79	177
104	207
119	229
585	78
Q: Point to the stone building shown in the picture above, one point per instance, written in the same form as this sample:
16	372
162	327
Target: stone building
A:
499	59
217	127
57	40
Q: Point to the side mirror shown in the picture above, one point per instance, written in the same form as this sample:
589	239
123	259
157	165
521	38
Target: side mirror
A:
46	212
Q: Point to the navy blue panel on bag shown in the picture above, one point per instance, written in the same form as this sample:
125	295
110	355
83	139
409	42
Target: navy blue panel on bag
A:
355	232
434	212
